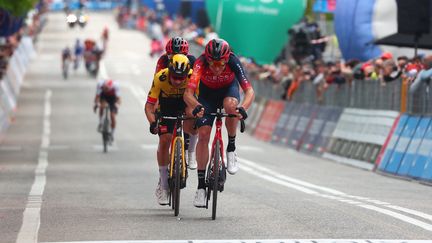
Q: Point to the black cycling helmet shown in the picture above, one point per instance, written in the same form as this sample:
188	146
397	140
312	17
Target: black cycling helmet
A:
216	50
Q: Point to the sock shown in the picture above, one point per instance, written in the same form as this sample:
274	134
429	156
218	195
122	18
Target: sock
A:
193	139
201	179
163	173
231	144
186	140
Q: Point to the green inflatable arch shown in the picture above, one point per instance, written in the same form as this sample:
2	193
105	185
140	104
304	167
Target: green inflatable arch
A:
255	28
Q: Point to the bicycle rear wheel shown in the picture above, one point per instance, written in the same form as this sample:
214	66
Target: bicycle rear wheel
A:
177	175
216	162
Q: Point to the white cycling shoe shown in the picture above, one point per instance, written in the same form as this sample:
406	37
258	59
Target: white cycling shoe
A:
232	163
162	195
200	198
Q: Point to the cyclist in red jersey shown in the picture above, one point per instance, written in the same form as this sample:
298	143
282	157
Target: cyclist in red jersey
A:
219	73
178	45
107	93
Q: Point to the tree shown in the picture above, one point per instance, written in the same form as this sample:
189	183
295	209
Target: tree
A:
17	7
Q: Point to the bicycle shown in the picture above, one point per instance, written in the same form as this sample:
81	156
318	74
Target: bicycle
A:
106	128
217	161
177	173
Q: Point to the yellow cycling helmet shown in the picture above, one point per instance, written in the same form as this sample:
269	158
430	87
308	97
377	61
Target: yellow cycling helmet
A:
179	66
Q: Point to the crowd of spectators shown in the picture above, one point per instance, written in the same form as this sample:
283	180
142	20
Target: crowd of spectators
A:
8	44
300	62
161	27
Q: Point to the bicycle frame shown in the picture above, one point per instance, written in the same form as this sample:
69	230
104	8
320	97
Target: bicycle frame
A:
177	170
177	136
218	137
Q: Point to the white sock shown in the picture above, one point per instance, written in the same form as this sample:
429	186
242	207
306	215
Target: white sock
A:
163	173
193	139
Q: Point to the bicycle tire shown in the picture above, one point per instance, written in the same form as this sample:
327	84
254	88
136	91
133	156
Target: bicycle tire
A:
177	174
105	130
216	160
105	141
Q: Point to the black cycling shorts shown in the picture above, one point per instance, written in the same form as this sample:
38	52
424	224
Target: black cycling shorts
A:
111	100
169	107
212	99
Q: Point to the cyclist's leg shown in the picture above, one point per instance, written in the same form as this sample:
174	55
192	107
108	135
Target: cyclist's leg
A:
163	158
230	103
188	127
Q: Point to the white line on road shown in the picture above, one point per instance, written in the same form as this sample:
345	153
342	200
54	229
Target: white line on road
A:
31	217
257	241
11	148
306	187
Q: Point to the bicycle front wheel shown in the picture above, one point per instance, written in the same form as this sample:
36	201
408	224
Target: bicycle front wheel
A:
178	157
216	163
105	138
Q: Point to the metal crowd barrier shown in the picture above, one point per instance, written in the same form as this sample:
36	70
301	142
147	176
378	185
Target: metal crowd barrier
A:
358	94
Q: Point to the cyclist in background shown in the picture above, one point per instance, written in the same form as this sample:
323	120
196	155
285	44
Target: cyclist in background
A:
66	55
218	72
167	91
107	93
178	45
78	53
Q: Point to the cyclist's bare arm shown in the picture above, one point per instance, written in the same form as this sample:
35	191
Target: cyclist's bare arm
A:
149	111
248	98
189	98
97	99
191	101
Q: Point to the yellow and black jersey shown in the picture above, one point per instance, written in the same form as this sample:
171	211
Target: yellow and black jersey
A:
163	90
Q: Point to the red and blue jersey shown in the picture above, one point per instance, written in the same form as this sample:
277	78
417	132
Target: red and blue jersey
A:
233	71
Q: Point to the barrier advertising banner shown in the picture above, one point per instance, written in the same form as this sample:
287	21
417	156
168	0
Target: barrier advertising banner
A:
252	122
317	126
323	139
411	153
282	122
393	142
402	145
423	155
269	118
291	123
301	125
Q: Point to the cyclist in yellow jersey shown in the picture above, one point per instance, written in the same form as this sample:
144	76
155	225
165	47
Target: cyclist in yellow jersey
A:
167	90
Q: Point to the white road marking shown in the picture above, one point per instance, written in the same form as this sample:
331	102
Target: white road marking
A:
257	241
31	217
11	148
250	148
102	70
59	147
136	70
99	147
306	187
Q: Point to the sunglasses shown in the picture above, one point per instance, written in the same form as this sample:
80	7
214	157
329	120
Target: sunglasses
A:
217	63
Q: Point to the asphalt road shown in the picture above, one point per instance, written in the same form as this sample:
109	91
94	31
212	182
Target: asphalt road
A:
56	185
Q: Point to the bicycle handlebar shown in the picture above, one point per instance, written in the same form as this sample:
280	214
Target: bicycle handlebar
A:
182	117
221	114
